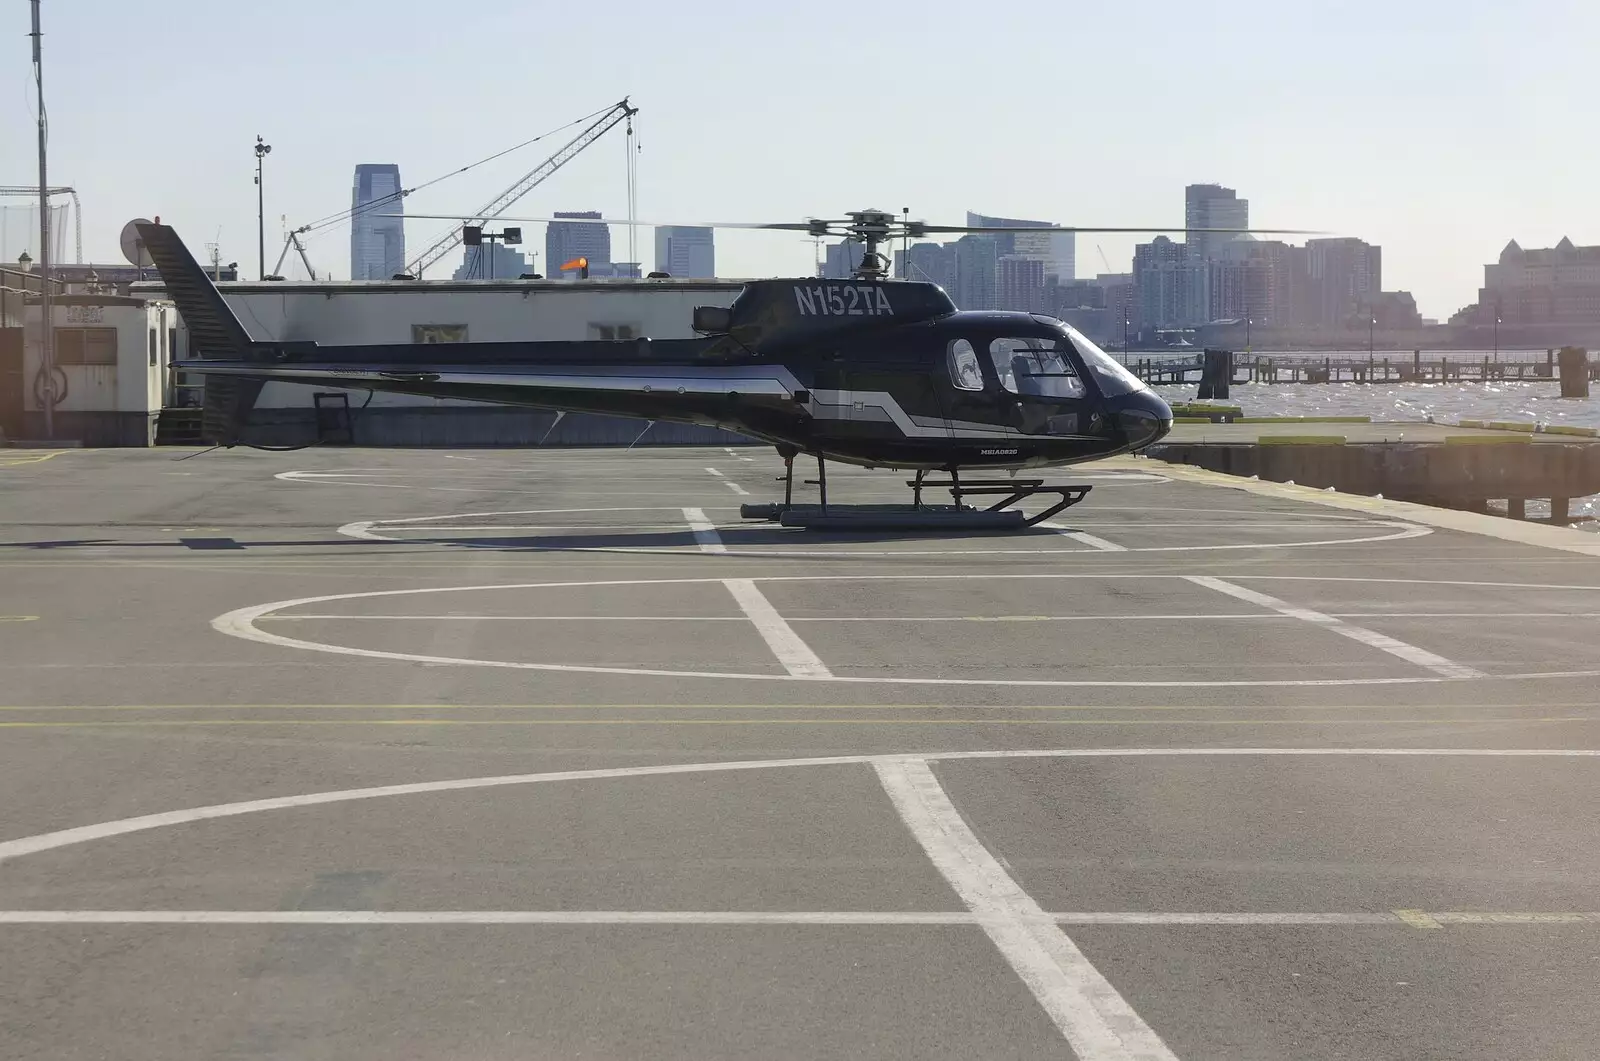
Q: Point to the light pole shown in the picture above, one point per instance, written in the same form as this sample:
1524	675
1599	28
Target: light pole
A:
47	332
263	149
1497	337
1372	325
1125	323
1247	322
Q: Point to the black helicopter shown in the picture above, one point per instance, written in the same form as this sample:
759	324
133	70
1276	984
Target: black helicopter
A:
868	371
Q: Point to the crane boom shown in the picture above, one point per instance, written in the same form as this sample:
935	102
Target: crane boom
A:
506	199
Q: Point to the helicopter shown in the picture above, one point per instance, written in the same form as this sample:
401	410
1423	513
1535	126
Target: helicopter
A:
869	371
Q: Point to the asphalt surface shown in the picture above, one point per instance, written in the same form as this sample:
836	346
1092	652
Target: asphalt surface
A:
503	754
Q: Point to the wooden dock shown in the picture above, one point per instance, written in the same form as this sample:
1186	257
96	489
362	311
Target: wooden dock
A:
1386	366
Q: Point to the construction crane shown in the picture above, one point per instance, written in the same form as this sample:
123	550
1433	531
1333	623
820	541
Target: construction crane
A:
77	209
506	199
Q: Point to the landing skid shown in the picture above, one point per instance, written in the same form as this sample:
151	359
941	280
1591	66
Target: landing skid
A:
917	515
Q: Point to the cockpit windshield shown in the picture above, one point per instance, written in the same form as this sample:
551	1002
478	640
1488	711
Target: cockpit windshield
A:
1112	377
1036	367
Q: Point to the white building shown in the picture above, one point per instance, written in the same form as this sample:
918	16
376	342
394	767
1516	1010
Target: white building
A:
344	314
111	354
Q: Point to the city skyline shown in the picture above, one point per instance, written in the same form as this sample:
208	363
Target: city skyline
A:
1391	149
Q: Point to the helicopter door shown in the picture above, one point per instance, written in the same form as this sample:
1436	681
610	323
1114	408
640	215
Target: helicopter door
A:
1041	390
963	392
833	391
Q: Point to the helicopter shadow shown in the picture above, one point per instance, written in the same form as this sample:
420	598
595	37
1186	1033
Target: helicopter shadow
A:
753	536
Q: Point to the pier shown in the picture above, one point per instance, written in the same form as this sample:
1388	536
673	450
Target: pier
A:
1384	366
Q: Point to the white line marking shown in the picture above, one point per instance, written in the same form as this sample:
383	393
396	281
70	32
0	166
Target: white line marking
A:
1175	617
718	474
1257	617
479	917
1091	540
241	623
736	488
760	917
1096	1020
705	532
450	457
1383	642
794	654
28	845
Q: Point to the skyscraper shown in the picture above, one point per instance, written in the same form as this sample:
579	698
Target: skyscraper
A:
1345	276
577	238
977	268
377	243
1211	206
1057	250
928	262
687	251
840	259
1019	284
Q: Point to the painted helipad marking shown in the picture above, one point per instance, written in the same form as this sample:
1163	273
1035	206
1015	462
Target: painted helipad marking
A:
794	654
735	487
29	845
20	457
1133	617
705	532
1397	918
1382	642
242	623
1091	540
1096	1020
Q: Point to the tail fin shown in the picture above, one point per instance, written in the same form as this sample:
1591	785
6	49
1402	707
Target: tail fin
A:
214	332
213	329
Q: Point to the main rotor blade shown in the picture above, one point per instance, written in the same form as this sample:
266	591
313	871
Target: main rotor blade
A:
892	229
786	226
950	229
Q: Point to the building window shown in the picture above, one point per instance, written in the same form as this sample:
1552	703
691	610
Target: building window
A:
613	332
153	353
86	346
438	333
964	370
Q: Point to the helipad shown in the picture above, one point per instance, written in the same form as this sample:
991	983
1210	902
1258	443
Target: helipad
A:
508	754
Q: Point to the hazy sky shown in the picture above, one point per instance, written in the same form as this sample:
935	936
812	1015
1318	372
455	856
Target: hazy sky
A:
1436	129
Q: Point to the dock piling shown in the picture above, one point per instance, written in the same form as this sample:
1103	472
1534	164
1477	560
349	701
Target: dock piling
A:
1574	372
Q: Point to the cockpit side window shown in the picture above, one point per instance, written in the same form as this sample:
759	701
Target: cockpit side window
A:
1034	367
964	370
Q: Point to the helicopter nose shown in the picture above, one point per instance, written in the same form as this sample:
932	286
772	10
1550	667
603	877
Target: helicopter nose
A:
1144	418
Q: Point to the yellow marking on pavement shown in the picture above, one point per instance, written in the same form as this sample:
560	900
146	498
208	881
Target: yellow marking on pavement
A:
886	721
1417	918
16	457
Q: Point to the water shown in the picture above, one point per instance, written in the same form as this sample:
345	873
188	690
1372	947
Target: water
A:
1535	402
